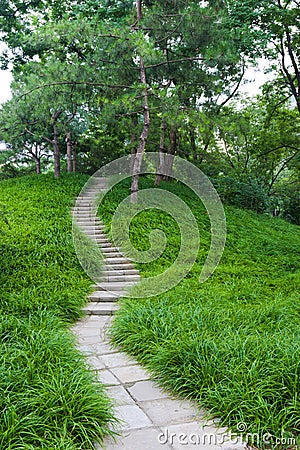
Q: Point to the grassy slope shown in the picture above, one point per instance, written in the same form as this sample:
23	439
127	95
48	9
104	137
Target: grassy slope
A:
232	343
48	399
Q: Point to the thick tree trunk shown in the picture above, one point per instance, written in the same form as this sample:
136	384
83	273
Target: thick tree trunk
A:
69	152
56	153
74	146
160	171
142	141
144	135
37	165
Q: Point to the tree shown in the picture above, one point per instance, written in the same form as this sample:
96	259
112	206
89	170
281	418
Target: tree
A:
146	116
270	28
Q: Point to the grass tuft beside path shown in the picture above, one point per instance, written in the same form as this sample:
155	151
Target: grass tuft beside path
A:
232	343
48	398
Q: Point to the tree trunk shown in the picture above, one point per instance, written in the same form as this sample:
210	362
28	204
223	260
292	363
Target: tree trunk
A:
160	171
193	142
133	143
144	135
74	145
37	165
169	160
69	152
56	153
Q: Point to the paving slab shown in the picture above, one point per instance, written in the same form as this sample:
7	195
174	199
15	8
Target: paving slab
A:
120	395
128	374
145	439
95	362
107	378
118	360
146	390
167	411
100	308
88	340
103	348
197	435
132	416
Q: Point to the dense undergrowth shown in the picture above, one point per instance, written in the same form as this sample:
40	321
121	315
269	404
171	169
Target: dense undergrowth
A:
48	397
232	343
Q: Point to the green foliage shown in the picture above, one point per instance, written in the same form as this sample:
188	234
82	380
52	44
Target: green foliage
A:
291	203
270	28
232	343
249	195
49	399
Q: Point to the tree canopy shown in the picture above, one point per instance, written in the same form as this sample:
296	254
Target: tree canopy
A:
162	76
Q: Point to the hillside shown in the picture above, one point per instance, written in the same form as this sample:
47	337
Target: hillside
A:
232	343
48	398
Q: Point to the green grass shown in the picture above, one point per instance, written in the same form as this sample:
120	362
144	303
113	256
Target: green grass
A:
232	343
49	399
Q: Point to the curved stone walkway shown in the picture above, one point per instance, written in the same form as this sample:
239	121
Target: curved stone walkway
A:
151	418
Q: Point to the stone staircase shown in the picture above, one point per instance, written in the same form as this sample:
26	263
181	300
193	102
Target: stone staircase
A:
150	418
118	273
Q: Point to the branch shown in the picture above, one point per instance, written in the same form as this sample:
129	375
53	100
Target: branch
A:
285	162
278	148
43	137
196	58
270	115
73	83
232	94
285	70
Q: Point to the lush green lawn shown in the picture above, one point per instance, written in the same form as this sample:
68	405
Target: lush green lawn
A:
232	343
48	398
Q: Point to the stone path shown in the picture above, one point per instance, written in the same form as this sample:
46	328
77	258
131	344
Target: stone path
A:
151	418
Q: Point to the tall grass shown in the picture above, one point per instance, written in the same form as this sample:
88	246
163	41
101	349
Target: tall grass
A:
48	397
232	343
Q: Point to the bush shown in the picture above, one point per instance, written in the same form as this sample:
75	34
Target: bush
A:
244	194
291	204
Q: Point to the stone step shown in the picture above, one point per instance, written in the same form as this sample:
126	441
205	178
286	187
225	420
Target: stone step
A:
100	309
116	260
79	210
87	217
118	266
110	250
92	230
89	221
89	224
95	188
96	236
120	272
91	194
115	254
114	286
101	295
84	204
118	278
86	209
105	245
